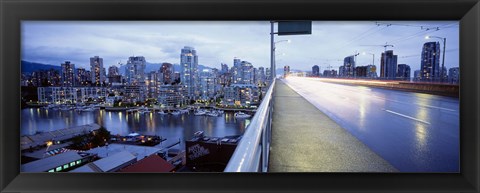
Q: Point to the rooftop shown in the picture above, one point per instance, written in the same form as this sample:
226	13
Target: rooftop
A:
153	163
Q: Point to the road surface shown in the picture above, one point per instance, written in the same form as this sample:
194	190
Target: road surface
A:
414	132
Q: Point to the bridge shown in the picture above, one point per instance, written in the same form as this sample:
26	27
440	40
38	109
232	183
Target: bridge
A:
313	125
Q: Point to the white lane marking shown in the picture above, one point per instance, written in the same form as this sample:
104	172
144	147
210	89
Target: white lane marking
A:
406	116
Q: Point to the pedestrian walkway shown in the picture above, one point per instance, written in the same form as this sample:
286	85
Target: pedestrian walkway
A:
306	140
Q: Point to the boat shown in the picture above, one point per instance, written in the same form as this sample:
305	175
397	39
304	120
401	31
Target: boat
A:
213	114
88	109
175	112
143	111
220	111
199	113
162	113
184	110
242	115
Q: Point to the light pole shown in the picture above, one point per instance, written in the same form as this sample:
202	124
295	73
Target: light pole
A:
443	56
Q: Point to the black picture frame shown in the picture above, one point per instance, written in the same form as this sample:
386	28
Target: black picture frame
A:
14	11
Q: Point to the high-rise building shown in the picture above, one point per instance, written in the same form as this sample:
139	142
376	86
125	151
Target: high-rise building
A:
135	70
97	71
68	74
114	75
236	62
224	68
207	84
430	64
315	71
152	84
372	71
349	66
113	70
361	71
341	71
268	74
403	72
166	72
388	65
189	66
417	75
260	76
454	75
247	73
82	77
286	71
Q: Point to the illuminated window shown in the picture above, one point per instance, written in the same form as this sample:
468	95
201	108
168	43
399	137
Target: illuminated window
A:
79	161
52	170
65	166
72	164
59	168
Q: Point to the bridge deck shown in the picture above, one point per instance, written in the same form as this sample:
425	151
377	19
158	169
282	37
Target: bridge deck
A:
306	140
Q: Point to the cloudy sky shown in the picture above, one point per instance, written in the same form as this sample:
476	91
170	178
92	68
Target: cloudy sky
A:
53	42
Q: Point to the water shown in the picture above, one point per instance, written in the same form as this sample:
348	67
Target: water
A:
172	127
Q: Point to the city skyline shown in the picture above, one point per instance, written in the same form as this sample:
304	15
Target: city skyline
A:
219	42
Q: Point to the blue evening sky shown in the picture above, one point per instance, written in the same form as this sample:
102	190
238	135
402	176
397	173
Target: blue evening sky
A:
53	42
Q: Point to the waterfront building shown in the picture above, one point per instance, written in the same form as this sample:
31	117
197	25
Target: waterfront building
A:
58	163
349	66
403	72
70	95
68	74
189	71
236	62
134	93
172	95
315	71
454	75
241	95
97	71
430	63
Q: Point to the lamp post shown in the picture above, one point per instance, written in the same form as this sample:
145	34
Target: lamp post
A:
443	55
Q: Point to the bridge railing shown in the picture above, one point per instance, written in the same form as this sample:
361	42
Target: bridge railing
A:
251	154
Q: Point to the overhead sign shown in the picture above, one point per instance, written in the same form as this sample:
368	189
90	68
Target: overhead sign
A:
294	28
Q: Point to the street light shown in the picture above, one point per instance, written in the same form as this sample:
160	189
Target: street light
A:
443	57
373	58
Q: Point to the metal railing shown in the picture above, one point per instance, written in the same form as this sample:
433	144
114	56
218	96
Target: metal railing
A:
251	154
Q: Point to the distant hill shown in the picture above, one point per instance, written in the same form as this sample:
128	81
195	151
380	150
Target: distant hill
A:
29	67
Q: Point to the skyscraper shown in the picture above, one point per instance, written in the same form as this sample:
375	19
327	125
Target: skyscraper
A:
82	77
430	64
286	71
135	70
247	73
403	72
166	73
388	65
315	71
454	75
97	71
189	70
349	66
68	74
113	71
224	68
